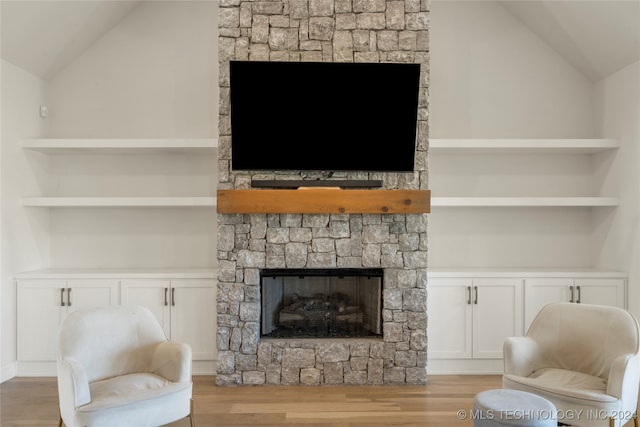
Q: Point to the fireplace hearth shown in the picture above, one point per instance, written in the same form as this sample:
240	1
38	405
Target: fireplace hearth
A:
321	303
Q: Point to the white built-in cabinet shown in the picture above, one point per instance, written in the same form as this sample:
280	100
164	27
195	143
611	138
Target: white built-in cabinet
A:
514	225
127	219
42	304
469	318
471	312
184	307
45	297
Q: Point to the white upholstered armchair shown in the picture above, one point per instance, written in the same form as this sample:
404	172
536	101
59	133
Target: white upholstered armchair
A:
583	358
117	368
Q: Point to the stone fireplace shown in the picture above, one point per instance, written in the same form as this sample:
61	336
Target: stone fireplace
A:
251	247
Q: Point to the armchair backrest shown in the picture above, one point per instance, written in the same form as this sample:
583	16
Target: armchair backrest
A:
584	338
111	341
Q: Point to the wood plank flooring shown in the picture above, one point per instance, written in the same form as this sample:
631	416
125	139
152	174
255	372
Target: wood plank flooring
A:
33	402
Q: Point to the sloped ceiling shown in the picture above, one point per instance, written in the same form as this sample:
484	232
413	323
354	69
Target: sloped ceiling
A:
596	37
44	36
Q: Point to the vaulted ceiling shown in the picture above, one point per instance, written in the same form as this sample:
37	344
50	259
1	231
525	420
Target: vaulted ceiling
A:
598	37
44	36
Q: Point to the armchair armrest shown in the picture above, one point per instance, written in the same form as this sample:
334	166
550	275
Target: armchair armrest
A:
521	356
624	376
73	384
172	360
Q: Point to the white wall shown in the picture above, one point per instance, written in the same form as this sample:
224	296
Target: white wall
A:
493	78
619	117
153	75
24	236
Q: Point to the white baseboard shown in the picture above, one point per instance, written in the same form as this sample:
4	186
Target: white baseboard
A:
8	371
465	366
204	367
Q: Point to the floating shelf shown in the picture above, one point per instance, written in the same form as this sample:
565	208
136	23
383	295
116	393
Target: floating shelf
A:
119	201
323	200
523	201
523	146
120	146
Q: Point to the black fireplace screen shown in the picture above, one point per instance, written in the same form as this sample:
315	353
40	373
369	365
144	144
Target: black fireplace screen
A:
321	303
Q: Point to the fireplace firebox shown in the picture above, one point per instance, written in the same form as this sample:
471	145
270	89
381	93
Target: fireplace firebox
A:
321	303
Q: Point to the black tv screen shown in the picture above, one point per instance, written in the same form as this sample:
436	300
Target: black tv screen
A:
321	116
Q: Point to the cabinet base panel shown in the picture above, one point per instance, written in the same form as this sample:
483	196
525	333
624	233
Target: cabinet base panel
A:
48	369
7	372
465	366
36	369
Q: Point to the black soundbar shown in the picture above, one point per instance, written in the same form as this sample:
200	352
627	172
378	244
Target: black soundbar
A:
297	183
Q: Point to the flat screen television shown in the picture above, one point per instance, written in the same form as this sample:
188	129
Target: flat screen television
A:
322	116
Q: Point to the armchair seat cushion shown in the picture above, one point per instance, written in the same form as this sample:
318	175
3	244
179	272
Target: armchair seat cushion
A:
132	389
565	384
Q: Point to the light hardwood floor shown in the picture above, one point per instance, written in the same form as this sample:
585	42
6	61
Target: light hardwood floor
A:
33	402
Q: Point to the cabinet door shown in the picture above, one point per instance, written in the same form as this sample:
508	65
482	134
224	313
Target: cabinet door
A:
42	304
449	307
540	292
152	294
90	294
193	316
39	314
497	314
601	291
609	292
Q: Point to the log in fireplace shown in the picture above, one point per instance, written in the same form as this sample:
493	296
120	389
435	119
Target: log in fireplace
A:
321	303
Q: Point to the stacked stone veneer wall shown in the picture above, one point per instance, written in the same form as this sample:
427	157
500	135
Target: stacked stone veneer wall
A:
338	31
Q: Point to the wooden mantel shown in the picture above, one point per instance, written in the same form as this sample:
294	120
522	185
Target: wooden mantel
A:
324	200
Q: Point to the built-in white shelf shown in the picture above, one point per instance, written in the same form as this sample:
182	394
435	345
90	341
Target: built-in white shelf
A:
523	201
119	273
524	146
53	202
121	146
522	272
